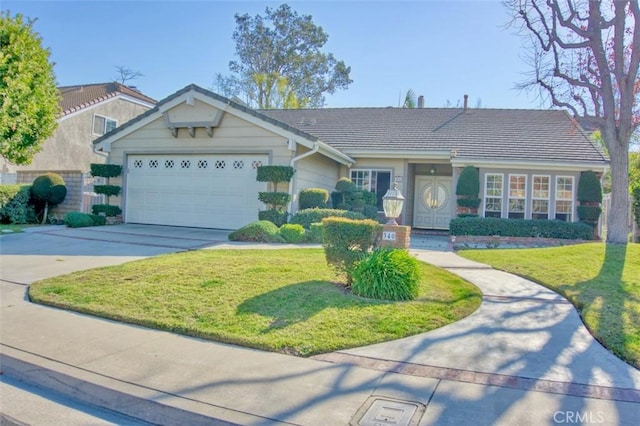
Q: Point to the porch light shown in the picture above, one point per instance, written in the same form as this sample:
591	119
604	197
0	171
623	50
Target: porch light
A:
392	203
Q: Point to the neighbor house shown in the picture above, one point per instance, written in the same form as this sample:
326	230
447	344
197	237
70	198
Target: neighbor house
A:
87	112
192	159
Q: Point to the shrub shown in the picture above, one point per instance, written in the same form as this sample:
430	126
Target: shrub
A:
108	190
106	209
50	190
79	220
313	198
261	231
292	233
274	199
370	212
274	174
589	213
106	170
278	218
468	183
387	274
345	185
520	228
314	235
469	202
308	216
14	203
346	241
589	188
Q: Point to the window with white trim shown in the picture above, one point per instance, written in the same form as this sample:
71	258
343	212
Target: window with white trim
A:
102	125
376	181
540	197
517	196
564	198
493	195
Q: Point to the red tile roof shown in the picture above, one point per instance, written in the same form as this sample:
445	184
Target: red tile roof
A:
75	98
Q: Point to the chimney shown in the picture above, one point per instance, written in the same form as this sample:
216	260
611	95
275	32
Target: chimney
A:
466	101
421	101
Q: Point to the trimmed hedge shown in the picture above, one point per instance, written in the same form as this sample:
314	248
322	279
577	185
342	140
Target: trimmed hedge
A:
469	202
308	216
108	190
49	188
276	217
274	198
387	274
589	213
292	233
107	209
589	188
314	235
261	231
311	198
274	174
346	241
14	204
80	220
468	183
520	228
106	170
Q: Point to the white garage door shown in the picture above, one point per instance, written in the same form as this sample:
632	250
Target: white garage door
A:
208	191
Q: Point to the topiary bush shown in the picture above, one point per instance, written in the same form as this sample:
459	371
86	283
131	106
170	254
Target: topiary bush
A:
275	174
108	190
311	198
275	200
346	241
79	220
105	170
107	209
467	189
292	233
277	217
589	188
520	228
14	204
308	216
48	189
387	274
262	231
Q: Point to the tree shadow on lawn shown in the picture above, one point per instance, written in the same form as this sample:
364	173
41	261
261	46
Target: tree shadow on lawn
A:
603	297
299	302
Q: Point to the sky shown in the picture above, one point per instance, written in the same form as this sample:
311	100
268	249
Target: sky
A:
441	49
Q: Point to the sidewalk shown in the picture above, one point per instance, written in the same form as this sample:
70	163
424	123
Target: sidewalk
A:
522	358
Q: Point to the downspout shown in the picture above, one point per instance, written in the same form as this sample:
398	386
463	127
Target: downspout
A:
294	160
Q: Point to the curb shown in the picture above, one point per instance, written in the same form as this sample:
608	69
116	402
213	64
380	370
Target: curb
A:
138	402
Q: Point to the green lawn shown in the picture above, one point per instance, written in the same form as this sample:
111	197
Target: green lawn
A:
278	300
602	281
6	229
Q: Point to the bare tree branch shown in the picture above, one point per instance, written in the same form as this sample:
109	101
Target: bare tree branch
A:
125	74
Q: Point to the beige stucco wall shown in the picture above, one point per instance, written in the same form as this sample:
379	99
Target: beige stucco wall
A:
314	171
71	146
233	135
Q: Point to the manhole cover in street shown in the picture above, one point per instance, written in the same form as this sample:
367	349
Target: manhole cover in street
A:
384	412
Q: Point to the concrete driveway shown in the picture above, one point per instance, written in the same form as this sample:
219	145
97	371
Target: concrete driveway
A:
48	251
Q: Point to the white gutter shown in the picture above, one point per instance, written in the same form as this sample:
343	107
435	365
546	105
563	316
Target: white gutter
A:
294	160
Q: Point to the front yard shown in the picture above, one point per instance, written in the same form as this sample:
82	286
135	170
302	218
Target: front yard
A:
602	281
278	300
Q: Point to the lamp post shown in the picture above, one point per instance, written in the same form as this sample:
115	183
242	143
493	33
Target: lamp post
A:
392	203
394	235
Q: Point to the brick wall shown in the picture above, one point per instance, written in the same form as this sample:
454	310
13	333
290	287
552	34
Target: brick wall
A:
73	180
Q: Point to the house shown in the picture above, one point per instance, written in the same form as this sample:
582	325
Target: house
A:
86	113
191	160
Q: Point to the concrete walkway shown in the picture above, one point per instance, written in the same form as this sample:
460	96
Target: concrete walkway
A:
522	358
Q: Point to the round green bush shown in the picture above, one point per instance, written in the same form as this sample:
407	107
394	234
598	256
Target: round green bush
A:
49	188
313	197
292	233
277	217
78	220
345	185
387	274
261	231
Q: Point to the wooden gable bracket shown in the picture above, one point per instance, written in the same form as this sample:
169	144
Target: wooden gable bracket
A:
174	126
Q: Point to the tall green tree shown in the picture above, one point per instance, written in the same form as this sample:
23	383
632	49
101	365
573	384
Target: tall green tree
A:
281	63
585	56
28	93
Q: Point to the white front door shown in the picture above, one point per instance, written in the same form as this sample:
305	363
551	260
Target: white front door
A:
433	204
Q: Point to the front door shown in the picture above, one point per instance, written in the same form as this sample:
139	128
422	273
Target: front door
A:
433	204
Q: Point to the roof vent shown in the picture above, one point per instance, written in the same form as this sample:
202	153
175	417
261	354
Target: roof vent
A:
421	101
466	101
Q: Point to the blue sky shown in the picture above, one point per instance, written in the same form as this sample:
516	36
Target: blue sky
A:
440	49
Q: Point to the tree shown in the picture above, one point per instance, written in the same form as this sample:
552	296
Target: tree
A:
28	92
585	57
280	63
125	74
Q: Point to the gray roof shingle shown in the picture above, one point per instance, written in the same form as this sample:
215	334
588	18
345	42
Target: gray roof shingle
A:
500	134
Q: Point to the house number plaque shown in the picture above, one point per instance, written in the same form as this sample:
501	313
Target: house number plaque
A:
389	236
